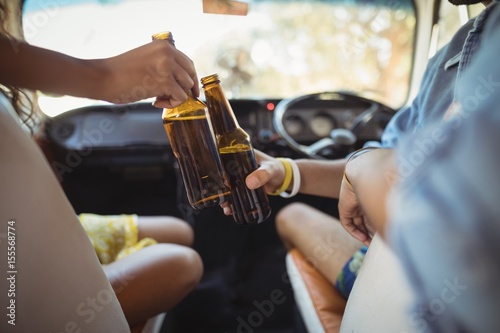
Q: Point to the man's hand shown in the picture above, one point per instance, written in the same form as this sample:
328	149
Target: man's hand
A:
352	217
362	200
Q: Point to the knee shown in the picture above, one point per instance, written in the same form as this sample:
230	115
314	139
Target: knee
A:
191	268
186	263
289	218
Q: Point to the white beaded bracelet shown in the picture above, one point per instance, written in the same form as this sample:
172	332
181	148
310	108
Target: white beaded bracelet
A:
296	180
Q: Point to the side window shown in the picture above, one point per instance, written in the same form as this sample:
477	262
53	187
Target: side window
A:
474	10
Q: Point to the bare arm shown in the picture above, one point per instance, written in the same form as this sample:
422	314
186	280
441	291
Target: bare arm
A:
154	69
322	178
362	205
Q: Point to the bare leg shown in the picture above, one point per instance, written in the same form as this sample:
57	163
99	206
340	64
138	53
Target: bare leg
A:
165	229
154	279
318	236
323	242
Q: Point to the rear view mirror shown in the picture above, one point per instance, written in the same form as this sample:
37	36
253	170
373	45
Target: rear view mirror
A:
225	7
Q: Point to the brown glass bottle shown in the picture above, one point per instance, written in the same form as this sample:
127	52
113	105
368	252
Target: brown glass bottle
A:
237	156
193	144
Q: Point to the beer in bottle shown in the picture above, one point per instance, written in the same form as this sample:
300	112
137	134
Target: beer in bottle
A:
237	156
193	144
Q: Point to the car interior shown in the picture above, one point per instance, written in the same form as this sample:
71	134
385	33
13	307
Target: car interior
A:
305	78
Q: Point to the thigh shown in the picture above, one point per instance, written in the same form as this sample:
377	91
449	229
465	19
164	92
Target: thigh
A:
165	229
154	279
318	236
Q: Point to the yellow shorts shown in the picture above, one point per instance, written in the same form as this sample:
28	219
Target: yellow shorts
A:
113	236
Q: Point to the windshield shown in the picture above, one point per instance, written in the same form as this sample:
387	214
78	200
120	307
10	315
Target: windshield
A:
279	49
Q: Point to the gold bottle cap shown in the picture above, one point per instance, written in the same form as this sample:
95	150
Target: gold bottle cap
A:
210	79
165	35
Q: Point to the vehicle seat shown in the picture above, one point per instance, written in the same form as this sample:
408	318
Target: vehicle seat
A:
57	280
379	302
153	325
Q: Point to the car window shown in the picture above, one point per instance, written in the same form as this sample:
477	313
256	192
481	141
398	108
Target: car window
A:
280	49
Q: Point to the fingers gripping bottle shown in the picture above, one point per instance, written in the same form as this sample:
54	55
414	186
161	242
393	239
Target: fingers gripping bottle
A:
237	156
193	144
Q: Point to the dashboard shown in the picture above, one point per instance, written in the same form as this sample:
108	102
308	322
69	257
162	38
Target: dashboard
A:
134	133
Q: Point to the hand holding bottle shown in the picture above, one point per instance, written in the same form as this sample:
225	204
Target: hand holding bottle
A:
270	175
152	70
194	146
237	156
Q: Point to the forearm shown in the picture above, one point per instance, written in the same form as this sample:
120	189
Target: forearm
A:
34	68
322	178
372	176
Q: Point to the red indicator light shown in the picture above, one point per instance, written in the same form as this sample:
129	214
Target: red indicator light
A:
270	106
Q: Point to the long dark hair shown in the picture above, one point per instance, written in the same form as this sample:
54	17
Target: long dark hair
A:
20	100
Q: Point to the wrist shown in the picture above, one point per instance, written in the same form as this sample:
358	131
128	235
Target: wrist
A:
291	180
101	81
287	177
296	179
351	164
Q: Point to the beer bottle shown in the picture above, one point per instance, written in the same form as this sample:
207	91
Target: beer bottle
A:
237	155
193	144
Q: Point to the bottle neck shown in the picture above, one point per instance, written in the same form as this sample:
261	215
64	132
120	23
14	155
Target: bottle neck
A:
191	108
220	111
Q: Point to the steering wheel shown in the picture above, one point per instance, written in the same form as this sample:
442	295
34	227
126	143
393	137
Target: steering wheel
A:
367	121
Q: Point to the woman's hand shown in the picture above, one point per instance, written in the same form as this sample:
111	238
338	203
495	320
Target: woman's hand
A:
156	69
270	174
